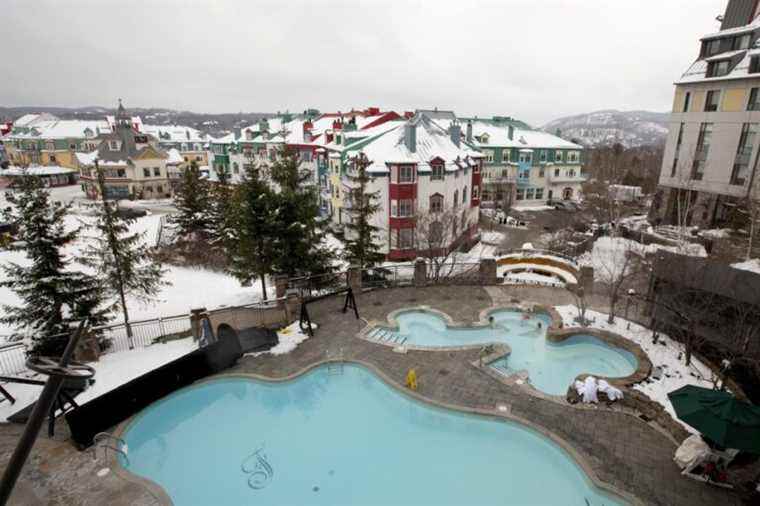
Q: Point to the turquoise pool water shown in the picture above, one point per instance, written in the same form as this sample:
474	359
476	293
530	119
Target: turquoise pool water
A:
551	367
343	439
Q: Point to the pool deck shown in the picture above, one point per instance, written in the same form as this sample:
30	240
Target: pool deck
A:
619	449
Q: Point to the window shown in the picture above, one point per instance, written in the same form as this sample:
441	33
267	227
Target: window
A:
157	171
436	232
572	157
121	173
539	193
437	171
556	172
743	153
436	203
558	156
146	172
406	174
754	65
406	238
464	221
504	156
52	159
489	155
456	198
541	172
475	190
542	156
530	193
742	42
687	101
405	208
464	195
712	47
72	147
712	100
679	140
114	145
754	100
520	194
526	157
718	68
159	189
197	158
703	149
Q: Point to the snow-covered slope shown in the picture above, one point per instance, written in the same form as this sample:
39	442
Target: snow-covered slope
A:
604	128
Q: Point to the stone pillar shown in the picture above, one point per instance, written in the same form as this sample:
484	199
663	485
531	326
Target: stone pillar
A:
587	279
488	274
420	272
354	279
87	349
196	315
280	289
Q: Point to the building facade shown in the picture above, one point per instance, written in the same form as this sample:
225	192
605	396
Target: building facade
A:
709	167
190	143
135	166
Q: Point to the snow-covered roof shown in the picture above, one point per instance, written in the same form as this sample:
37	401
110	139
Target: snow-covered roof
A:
432	142
498	136
50	170
59	129
174	157
225	139
173	133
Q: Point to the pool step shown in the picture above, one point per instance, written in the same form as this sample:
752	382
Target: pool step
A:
388	336
335	368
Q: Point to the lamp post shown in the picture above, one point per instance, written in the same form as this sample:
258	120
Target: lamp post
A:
631	293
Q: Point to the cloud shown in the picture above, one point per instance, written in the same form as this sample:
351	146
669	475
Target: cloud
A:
532	59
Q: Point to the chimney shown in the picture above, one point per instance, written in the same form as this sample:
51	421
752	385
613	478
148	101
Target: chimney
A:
410	137
307	126
469	131
408	114
455	130
328	136
511	131
373	111
337	124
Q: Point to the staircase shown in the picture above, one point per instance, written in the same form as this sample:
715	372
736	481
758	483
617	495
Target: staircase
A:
386	336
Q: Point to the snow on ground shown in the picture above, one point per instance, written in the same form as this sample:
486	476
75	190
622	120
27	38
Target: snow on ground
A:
189	289
111	371
288	340
532	278
560	275
608	255
529	207
492	238
717	233
664	354
750	265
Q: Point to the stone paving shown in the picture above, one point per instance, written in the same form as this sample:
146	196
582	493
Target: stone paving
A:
622	450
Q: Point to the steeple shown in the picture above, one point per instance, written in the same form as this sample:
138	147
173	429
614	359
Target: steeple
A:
123	119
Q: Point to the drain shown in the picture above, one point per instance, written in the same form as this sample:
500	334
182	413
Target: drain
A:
377	303
411	300
443	372
480	297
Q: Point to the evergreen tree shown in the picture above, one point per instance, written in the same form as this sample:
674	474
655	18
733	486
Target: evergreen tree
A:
251	220
299	233
361	239
53	298
119	258
192	202
220	197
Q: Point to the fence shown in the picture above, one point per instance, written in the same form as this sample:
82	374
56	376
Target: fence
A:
12	359
539	252
312	286
388	276
144	332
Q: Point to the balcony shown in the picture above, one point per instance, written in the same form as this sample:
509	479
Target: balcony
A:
564	177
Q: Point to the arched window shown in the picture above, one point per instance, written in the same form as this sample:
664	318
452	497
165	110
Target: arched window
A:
456	198
464	221
464	195
436	203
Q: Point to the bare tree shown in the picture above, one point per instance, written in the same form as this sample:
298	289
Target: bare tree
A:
435	236
753	244
615	267
581	303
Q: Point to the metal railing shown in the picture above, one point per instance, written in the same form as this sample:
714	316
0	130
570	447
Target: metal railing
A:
312	286
144	332
12	359
539	252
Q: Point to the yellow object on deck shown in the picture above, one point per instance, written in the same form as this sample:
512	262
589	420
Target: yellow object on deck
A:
411	379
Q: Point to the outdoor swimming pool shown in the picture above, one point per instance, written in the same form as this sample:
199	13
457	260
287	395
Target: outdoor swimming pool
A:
551	366
345	438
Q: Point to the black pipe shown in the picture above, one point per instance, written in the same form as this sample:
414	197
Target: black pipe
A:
36	419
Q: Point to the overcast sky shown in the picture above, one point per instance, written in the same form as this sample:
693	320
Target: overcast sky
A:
533	59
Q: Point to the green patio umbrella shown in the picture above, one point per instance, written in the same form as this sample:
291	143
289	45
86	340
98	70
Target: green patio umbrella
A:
719	416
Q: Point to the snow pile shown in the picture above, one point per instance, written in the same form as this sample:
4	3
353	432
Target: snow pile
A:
750	265
532	278
111	371
288	340
608	257
717	233
666	354
493	238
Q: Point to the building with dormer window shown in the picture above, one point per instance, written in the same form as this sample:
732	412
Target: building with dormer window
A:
132	161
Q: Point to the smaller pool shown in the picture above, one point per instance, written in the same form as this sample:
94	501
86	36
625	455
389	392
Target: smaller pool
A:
550	366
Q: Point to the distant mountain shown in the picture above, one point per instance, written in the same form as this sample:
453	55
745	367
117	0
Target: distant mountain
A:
604	128
209	123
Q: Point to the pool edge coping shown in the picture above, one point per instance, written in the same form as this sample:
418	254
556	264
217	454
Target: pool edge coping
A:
579	459
556	333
